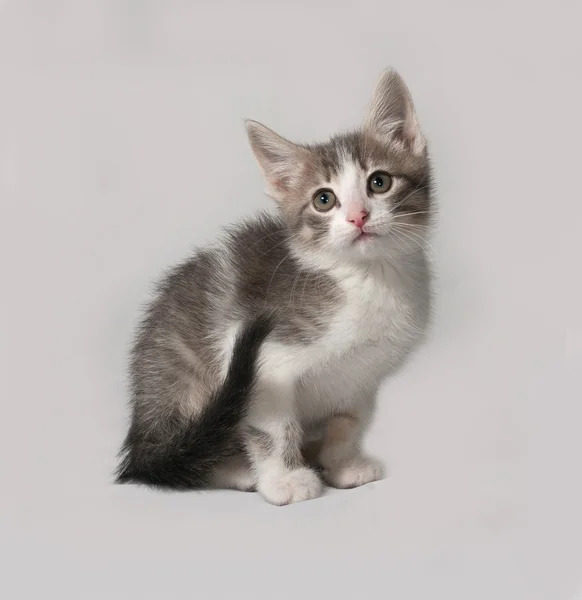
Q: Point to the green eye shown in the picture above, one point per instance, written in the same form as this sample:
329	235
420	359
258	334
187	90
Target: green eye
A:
324	200
379	182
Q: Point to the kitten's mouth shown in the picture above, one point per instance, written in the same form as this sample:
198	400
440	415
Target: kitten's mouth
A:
364	236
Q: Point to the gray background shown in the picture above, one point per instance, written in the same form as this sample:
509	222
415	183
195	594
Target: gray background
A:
122	146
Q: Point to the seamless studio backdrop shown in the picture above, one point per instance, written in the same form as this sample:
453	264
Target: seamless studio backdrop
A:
122	147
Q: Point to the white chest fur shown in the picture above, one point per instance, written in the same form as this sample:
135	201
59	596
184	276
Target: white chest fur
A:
381	308
383	315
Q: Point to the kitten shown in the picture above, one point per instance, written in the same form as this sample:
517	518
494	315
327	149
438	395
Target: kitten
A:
258	362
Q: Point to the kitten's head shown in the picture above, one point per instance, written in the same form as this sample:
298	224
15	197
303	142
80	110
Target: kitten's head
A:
361	195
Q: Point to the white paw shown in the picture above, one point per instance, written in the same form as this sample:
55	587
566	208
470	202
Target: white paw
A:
354	472
294	486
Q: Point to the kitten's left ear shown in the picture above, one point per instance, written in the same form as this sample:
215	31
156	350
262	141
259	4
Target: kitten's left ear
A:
280	160
392	115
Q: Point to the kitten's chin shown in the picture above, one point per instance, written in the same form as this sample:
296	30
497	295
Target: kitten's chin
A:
365	248
365	237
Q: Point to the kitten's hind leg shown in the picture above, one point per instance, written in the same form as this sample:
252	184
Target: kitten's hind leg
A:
343	464
235	473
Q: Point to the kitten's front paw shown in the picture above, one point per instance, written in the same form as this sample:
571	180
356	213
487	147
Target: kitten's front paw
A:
354	472
295	486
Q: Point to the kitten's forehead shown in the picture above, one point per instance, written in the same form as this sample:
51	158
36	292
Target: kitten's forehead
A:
339	151
365	152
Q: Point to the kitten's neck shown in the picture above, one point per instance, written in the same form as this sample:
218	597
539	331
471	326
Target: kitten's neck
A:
330	262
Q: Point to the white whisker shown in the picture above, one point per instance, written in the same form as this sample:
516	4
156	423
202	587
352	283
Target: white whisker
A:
414	237
267	236
293	288
275	246
411	193
273	275
410	214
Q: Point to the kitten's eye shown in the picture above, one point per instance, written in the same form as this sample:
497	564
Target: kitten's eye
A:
324	200
379	182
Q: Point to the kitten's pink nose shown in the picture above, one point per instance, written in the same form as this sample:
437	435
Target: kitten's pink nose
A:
357	218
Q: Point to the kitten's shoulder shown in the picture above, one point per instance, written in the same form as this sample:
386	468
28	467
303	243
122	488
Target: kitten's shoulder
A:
255	236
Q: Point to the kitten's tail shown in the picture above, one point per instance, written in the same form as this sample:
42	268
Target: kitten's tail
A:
188	457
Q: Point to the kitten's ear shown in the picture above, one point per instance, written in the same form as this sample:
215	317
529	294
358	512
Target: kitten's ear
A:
280	160
392	115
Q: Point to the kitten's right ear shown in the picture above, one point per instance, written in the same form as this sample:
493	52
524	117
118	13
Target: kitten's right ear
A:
279	159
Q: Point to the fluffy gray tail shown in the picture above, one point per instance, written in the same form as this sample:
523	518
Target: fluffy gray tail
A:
187	458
